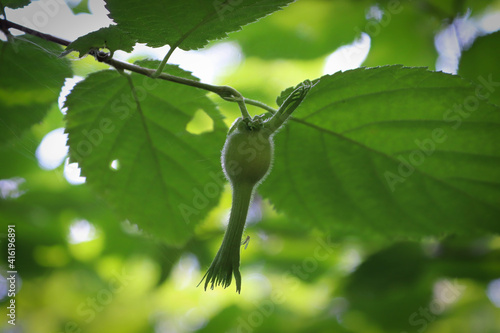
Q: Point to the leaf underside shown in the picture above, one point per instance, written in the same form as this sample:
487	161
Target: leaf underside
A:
31	78
390	151
480	64
112	38
189	24
160	171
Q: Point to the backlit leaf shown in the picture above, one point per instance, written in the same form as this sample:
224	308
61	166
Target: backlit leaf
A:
137	153
188	24
390	151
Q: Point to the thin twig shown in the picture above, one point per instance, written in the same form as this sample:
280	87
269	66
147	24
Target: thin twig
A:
225	92
8	24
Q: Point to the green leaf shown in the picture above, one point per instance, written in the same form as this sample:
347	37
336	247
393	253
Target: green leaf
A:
81	7
32	76
305	30
112	38
390	151
14	4
189	25
21	153
480	64
137	153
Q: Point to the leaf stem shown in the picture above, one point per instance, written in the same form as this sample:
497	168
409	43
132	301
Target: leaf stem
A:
174	46
241	103
163	63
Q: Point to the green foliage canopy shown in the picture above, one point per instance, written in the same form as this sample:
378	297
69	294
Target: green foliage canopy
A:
371	157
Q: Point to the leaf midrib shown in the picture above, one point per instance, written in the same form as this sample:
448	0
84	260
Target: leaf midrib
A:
329	132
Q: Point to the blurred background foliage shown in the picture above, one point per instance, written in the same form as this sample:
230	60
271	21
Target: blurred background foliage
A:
84	270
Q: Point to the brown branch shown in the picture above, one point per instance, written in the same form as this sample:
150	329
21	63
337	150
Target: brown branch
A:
5	24
225	92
